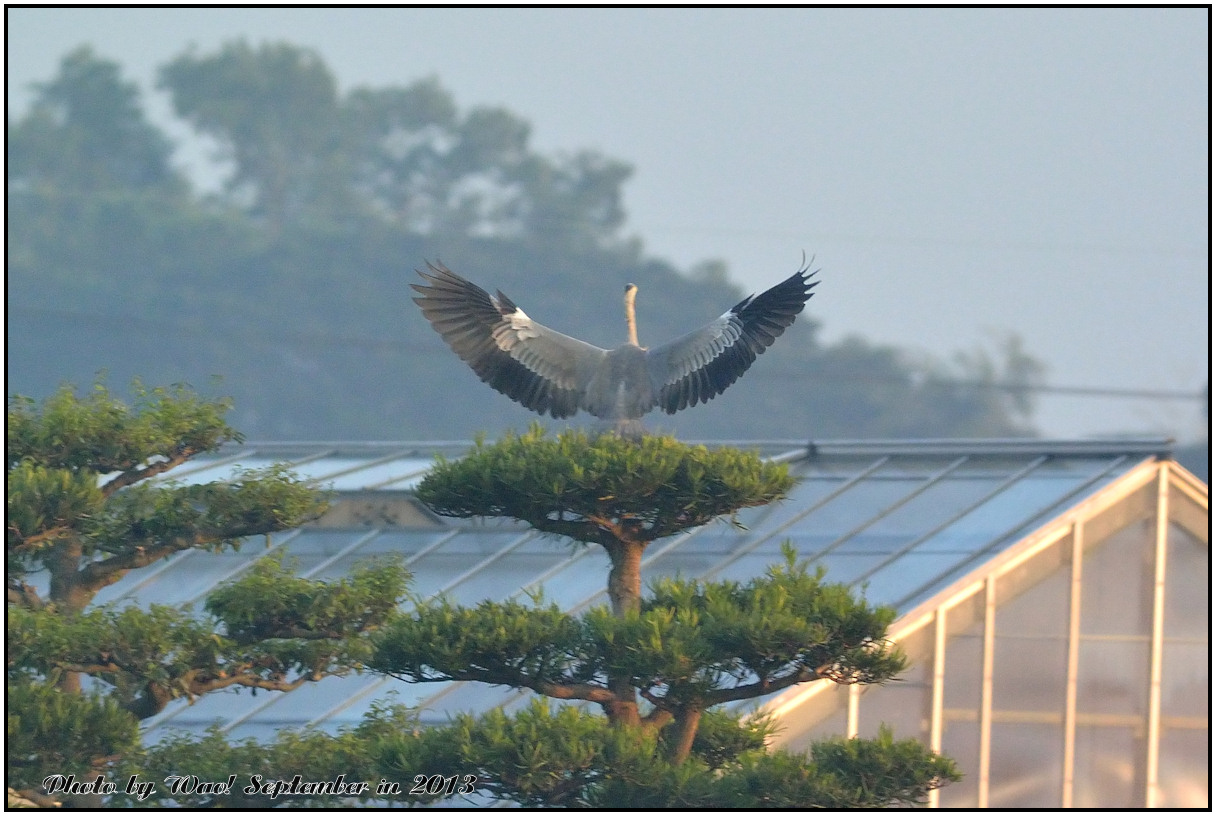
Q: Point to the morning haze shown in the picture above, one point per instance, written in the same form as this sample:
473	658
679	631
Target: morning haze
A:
958	175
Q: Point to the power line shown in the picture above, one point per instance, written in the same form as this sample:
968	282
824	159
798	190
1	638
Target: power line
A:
142	325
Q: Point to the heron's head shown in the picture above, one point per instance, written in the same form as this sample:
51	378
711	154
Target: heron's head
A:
631	291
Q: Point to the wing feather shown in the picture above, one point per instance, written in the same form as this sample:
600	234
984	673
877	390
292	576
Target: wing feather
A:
543	370
703	363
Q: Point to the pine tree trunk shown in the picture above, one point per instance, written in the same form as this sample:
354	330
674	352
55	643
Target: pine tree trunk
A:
625	580
684	731
67	595
625	592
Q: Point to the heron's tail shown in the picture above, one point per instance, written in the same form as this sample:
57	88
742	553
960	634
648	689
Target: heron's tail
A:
624	428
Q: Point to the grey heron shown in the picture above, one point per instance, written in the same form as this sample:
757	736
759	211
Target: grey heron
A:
552	373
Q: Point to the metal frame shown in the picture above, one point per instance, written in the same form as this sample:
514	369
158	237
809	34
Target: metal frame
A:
975	575
1158	637
935	611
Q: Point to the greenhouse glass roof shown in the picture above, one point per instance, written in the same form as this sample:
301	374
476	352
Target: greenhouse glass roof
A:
899	520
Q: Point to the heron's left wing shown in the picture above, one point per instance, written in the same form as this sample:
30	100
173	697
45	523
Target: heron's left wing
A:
703	363
541	369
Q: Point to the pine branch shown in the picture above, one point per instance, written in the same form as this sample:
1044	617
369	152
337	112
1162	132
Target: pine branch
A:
133	475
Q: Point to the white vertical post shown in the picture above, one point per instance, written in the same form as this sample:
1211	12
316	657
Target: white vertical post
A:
1074	659
986	690
853	712
939	691
1158	637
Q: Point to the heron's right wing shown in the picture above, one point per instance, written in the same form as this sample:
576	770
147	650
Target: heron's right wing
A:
703	363
541	369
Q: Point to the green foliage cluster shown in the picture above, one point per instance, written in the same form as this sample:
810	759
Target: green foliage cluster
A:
53	731
839	774
268	630
269	601
350	755
88	513
540	757
100	432
83	506
692	644
602	488
685	648
80	503
292	280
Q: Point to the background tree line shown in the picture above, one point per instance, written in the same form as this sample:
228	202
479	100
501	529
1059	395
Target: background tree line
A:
291	282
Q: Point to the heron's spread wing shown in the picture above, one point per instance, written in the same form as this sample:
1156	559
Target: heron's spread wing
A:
702	364
539	368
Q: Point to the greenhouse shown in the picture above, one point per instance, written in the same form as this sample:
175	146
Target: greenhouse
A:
1053	597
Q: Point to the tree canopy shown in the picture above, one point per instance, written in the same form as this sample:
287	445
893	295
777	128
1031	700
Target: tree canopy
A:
89	501
656	664
87	504
291	281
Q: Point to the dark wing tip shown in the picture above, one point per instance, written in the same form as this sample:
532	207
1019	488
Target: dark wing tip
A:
465	316
761	319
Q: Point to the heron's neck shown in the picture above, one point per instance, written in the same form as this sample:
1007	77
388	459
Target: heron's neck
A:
631	321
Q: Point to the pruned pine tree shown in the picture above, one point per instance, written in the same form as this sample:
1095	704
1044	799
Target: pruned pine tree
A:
655	665
84	508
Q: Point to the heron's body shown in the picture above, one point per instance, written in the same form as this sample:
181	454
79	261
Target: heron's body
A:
551	373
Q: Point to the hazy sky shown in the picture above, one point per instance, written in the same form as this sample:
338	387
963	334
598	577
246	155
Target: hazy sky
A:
954	172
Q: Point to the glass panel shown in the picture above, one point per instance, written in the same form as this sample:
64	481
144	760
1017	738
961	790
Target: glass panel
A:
1028	675
807	547
823	715
582	579
844	568
1109	767
907	574
1137	506
311	548
1027	763
1112	677
961	691
1117	582
876	543
1187	571
1032	598
1185	680
964	672
220	473
805	495
507	575
1189	515
399	544
197	575
382	475
323	469
936	505
755	521
313	700
743	568
386	690
693	557
438	568
1012	508
961	742
1183	773
905	705
853	507
465	698
220	706
40	581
